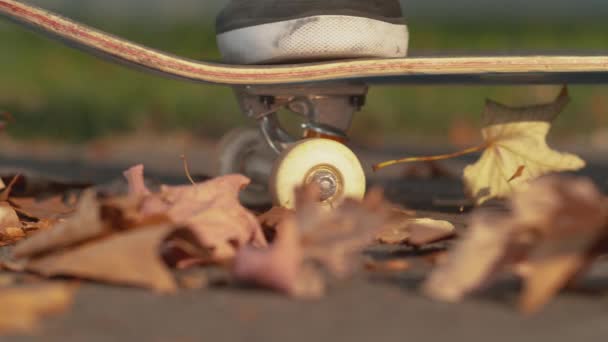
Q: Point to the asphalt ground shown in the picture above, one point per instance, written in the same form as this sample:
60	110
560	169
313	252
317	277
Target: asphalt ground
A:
370	307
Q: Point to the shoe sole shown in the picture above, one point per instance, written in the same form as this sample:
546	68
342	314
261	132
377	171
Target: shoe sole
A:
314	38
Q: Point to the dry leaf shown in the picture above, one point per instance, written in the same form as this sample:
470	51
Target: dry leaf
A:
313	236
211	209
516	137
426	231
48	210
548	239
83	225
130	258
276	267
472	262
21	308
569	217
416	232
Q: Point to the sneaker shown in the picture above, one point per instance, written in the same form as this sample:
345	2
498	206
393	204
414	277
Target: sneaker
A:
279	31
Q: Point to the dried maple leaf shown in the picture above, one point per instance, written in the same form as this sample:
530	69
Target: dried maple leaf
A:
211	209
21	308
548	239
515	140
130	258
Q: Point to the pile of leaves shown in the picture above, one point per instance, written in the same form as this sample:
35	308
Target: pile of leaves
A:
145	238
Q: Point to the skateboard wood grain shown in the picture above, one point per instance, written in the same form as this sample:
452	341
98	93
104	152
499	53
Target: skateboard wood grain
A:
495	70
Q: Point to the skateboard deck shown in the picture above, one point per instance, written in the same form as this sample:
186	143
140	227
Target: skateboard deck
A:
533	69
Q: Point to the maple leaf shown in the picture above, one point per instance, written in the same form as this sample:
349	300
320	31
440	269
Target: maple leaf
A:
211	209
515	144
515	150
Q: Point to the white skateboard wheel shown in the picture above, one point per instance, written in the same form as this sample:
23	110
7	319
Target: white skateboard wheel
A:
328	163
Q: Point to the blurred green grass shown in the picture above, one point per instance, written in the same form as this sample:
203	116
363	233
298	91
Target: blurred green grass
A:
61	94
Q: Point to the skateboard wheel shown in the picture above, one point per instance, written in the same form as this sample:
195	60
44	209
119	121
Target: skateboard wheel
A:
244	151
328	163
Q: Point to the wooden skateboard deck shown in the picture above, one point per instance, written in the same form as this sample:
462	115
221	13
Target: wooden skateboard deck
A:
487	70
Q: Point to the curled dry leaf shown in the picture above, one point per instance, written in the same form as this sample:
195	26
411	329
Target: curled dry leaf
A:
569	218
549	238
515	142
21	308
211	209
311	236
472	262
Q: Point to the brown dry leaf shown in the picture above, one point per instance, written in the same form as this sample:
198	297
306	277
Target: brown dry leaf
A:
416	231
21	308
276	267
548	239
48	210
569	217
83	225
130	258
313	236
211	209
516	137
473	261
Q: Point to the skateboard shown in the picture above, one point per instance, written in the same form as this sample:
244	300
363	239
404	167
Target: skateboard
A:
325	94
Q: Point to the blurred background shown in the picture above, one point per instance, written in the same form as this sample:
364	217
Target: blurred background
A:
61	95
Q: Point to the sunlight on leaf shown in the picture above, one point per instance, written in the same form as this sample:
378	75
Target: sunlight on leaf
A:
516	138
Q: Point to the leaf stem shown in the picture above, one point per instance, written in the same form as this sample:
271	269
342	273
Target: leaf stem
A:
465	152
187	169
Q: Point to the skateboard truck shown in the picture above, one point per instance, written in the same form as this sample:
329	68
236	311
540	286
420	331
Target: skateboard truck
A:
328	110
